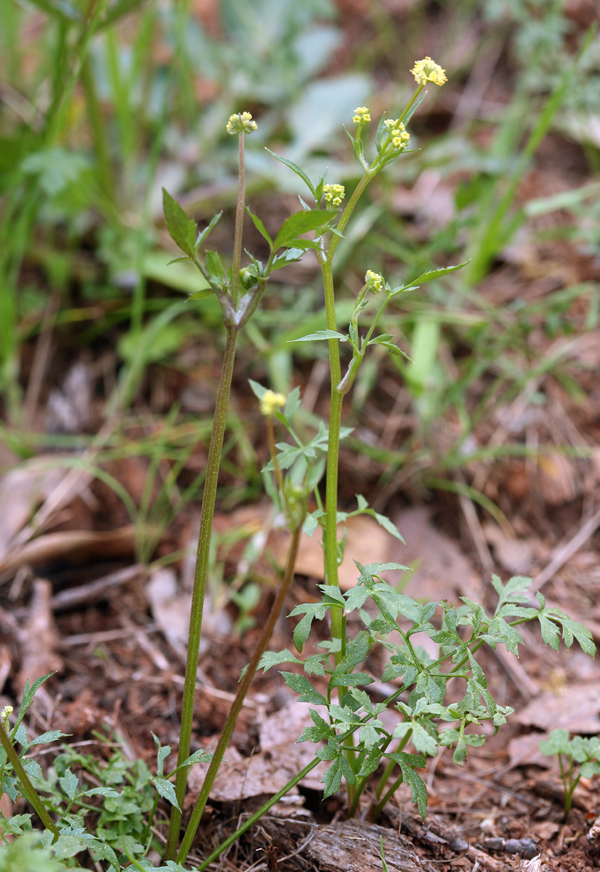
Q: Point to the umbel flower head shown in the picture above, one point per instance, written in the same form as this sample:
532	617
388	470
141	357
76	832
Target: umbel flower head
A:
240	123
334	194
361	115
272	402
428	71
397	131
373	281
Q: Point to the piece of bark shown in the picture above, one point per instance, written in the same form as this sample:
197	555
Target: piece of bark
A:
354	846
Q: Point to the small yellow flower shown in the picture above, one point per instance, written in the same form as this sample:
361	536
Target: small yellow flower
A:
334	194
240	123
361	115
272	402
428	71
373	281
4	716
398	132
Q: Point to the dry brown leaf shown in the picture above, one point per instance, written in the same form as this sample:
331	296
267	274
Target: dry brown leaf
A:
525	750
558	479
21	492
76	545
443	571
38	639
367	542
514	555
576	709
263	773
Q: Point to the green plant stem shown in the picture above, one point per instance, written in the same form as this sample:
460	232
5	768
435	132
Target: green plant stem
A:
373	815
98	129
202	558
26	786
273	452
258	814
239	225
243	689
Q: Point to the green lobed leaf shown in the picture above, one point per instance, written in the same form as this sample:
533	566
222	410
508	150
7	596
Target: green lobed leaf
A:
274	658
321	731
423	741
102	791
215	267
202	235
556	743
303	222
437	273
300	684
69	783
182	229
166	790
260	227
298	170
50	736
407	764
322	334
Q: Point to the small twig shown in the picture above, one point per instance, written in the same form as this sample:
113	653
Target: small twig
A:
564	551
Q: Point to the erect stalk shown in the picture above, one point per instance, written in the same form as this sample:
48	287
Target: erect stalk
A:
206	520
239	225
236	706
25	784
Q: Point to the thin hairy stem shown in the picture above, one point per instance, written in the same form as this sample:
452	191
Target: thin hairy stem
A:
239	225
26	786
243	689
206	520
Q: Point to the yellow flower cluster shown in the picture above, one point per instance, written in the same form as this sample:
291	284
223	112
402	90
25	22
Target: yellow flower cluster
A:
361	115
4	715
374	281
272	402
334	194
428	71
240	123
397	131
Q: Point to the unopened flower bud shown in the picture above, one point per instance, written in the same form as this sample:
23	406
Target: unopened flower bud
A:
240	123
373	281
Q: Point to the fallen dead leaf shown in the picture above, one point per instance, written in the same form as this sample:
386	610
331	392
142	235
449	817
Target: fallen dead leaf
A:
22	490
443	571
366	542
514	555
577	709
74	545
38	640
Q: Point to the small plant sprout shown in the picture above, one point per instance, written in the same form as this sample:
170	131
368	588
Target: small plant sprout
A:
577	757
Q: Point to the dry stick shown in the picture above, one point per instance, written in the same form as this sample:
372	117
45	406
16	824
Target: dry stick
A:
240	696
565	551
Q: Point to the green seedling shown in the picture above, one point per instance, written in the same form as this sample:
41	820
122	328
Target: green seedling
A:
577	757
